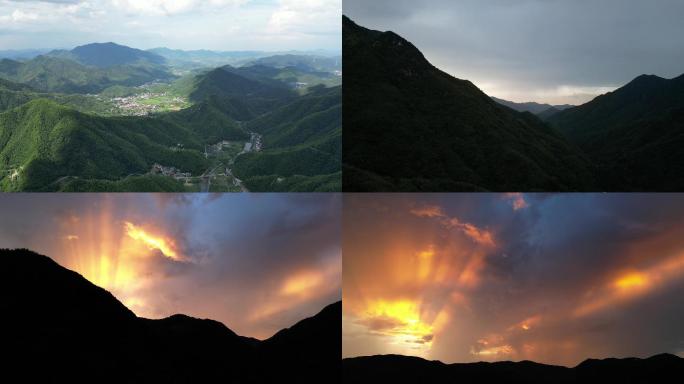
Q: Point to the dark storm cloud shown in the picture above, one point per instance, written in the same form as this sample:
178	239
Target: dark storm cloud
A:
552	50
258	263
570	276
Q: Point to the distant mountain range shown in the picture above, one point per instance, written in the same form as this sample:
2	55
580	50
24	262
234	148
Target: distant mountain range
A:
444	134
534	108
411	127
53	137
105	55
404	369
71	330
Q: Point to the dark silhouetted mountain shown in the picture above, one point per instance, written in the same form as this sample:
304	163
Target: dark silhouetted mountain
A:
404	369
411	127
58	327
546	115
635	134
534	108
105	55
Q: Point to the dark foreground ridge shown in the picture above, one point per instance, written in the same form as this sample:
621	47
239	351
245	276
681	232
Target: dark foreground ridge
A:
408	126
664	368
59	327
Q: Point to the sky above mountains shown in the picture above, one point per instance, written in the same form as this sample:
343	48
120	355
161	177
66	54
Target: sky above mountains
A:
268	25
554	51
554	278
257	263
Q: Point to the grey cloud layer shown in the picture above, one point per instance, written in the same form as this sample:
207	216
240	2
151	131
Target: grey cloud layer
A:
534	44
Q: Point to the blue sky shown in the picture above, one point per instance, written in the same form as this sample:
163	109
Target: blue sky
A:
271	25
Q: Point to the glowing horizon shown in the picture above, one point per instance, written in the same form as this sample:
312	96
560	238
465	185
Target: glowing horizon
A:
549	278
203	256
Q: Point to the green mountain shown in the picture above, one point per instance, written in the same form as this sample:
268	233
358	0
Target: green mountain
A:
225	82
302	62
634	134
202	58
303	139
105	55
411	127
13	95
46	144
42	141
63	75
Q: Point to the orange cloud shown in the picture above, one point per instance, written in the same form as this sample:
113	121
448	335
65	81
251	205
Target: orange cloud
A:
632	284
302	284
166	245
481	236
517	200
428	211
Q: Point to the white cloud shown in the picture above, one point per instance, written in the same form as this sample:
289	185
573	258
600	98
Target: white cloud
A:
306	16
171	7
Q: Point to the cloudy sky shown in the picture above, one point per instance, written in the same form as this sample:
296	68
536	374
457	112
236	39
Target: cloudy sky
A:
550	278
257	263
555	51
271	25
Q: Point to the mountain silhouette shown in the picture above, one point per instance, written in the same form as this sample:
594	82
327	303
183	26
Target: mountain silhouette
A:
532	107
664	368
409	126
59	327
633	134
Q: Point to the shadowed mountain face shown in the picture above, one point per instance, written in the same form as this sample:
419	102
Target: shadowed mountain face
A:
403	369
68	329
412	127
534	108
634	134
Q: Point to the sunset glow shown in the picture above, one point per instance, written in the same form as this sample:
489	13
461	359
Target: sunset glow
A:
549	278
165	245
206	256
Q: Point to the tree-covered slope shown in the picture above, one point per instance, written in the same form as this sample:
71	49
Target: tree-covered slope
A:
410	126
58	74
634	134
42	141
303	141
60	141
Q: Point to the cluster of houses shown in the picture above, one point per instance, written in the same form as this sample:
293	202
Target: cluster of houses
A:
158	169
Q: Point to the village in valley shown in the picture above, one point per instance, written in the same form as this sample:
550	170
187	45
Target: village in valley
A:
219	176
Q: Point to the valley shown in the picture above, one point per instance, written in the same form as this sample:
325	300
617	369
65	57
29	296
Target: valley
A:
273	123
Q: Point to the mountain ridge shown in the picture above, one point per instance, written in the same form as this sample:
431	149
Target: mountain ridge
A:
634	134
58	316
446	134
407	369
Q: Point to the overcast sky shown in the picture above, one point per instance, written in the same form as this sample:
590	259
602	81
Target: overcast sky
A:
272	25
550	278
257	263
556	51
